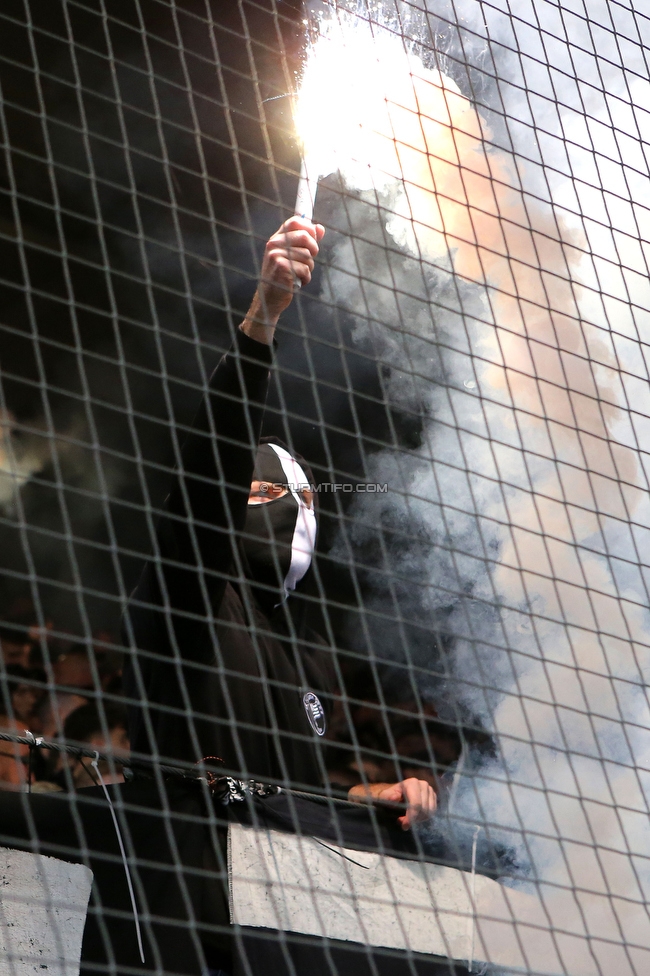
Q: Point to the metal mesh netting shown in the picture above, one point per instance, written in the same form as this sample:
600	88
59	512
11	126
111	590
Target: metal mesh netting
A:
238	741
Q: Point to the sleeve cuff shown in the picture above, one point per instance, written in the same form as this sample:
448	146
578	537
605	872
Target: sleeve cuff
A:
252	349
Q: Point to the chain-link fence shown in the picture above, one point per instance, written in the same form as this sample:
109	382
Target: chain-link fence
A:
324	618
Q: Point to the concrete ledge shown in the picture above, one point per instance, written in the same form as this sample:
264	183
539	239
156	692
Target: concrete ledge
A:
43	905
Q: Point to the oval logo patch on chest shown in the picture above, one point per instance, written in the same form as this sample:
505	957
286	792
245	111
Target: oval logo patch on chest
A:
315	712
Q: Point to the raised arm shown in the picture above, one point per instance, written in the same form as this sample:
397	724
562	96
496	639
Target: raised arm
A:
206	507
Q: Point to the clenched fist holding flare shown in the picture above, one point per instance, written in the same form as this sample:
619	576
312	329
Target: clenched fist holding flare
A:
288	260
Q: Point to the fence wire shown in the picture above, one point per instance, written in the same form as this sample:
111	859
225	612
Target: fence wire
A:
324	620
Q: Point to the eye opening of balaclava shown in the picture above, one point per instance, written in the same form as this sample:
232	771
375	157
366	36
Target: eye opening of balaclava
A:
280	534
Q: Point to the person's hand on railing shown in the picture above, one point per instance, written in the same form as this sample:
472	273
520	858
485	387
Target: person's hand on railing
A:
419	796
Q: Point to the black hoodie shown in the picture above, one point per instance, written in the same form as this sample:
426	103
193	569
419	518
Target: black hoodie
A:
210	672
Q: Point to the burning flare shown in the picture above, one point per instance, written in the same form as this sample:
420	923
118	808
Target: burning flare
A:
356	94
369	108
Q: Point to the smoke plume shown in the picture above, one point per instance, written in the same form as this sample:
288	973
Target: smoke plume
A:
19	460
492	291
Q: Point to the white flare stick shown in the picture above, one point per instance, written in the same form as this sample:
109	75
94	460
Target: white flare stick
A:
305	198
306	192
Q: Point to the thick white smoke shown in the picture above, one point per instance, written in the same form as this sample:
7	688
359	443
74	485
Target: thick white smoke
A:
495	260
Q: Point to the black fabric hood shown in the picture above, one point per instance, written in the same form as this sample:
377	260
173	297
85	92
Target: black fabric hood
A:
265	442
279	534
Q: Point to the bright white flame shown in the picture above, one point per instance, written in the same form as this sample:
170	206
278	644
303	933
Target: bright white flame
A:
370	109
358	109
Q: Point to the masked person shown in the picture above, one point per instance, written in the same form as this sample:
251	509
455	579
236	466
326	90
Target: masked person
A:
224	664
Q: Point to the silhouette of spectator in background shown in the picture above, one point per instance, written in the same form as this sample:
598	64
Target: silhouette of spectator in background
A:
15	645
18	699
84	727
44	679
78	673
73	680
18	632
25	689
13	775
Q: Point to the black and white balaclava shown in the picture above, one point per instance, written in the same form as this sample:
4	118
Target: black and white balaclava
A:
280	535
